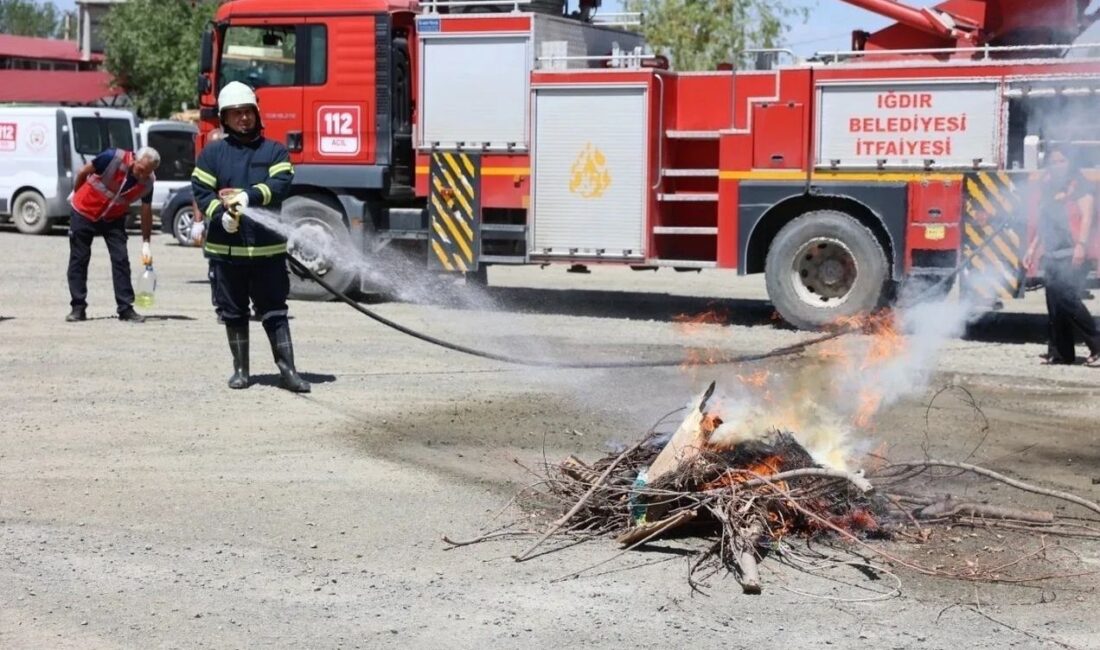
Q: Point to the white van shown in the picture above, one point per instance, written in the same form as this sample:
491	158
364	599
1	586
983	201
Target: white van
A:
42	149
175	142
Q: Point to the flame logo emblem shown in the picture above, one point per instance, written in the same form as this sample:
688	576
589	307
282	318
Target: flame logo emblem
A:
588	175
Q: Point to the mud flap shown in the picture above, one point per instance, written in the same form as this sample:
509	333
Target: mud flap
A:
454	212
994	229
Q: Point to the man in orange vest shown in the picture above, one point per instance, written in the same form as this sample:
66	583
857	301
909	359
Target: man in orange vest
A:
104	190
1060	244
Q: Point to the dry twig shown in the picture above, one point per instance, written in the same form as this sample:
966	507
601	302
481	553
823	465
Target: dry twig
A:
1019	485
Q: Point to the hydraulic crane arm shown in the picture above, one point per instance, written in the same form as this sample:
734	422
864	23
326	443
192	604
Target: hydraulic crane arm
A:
970	23
932	21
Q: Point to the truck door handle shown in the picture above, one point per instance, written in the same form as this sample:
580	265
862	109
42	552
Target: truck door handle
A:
294	141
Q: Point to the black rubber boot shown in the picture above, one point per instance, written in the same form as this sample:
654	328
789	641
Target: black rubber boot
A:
283	351
238	345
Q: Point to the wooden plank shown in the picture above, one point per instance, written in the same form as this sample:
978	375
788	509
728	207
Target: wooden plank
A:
685	444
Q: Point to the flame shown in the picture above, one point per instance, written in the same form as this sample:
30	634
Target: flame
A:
869	401
757	379
886	342
694	358
855	365
766	466
692	323
711	421
859	520
837	391
876	459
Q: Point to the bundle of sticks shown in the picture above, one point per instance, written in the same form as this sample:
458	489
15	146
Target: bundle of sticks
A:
747	500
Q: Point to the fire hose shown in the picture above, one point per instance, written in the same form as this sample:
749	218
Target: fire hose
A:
782	351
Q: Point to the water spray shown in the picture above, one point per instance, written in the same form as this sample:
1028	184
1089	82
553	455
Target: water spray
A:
271	221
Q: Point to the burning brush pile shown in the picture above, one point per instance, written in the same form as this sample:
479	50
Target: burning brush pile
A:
748	496
751	472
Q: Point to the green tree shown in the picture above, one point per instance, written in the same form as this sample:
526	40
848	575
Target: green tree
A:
29	18
699	34
152	50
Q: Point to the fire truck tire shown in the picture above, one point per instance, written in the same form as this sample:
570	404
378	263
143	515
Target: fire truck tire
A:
822	266
28	211
319	240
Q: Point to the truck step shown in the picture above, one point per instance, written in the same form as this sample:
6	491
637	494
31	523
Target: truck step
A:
690	173
507	231
684	264
692	135
682	197
684	230
502	259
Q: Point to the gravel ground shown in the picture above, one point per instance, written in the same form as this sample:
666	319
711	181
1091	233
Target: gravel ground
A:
143	504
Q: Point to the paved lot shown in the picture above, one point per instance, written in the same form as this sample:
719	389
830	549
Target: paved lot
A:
143	504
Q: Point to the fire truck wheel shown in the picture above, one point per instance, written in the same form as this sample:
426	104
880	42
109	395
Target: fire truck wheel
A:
321	242
29	214
822	266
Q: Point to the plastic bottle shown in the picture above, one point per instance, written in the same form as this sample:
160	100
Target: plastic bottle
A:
147	287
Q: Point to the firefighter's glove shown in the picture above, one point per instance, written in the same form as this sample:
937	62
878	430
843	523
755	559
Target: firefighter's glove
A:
197	230
236	203
146	254
230	224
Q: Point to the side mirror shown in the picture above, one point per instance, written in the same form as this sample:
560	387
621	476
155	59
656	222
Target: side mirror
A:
206	51
202	85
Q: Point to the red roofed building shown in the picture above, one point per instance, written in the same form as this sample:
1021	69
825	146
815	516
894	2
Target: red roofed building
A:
30	53
52	71
66	87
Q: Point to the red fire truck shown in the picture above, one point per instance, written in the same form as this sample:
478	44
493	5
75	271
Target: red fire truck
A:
476	133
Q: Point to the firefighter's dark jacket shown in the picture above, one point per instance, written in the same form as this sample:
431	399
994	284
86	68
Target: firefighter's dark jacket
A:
262	169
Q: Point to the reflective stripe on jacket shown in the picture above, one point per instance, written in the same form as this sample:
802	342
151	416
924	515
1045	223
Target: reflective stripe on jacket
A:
263	170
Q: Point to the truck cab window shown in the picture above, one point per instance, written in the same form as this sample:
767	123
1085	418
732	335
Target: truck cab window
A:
318	55
259	56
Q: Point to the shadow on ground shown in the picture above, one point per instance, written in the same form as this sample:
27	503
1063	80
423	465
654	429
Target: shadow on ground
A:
311	377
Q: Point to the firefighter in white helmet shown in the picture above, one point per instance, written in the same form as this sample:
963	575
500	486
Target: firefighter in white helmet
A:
247	260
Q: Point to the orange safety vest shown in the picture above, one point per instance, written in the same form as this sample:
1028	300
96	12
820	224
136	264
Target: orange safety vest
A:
100	197
1076	219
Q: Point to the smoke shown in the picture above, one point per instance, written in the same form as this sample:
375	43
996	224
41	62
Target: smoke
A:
831	400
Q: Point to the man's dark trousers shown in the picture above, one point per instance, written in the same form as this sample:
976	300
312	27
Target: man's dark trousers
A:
81	234
1069	318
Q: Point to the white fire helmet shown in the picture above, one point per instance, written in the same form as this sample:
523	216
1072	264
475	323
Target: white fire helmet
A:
236	94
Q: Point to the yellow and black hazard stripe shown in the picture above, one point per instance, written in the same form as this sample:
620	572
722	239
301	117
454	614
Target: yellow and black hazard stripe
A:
993	231
454	211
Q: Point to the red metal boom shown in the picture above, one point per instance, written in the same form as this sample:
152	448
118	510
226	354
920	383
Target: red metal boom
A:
970	23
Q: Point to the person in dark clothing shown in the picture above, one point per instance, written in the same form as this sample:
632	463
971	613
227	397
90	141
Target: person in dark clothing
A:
246	260
101	198
1068	212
